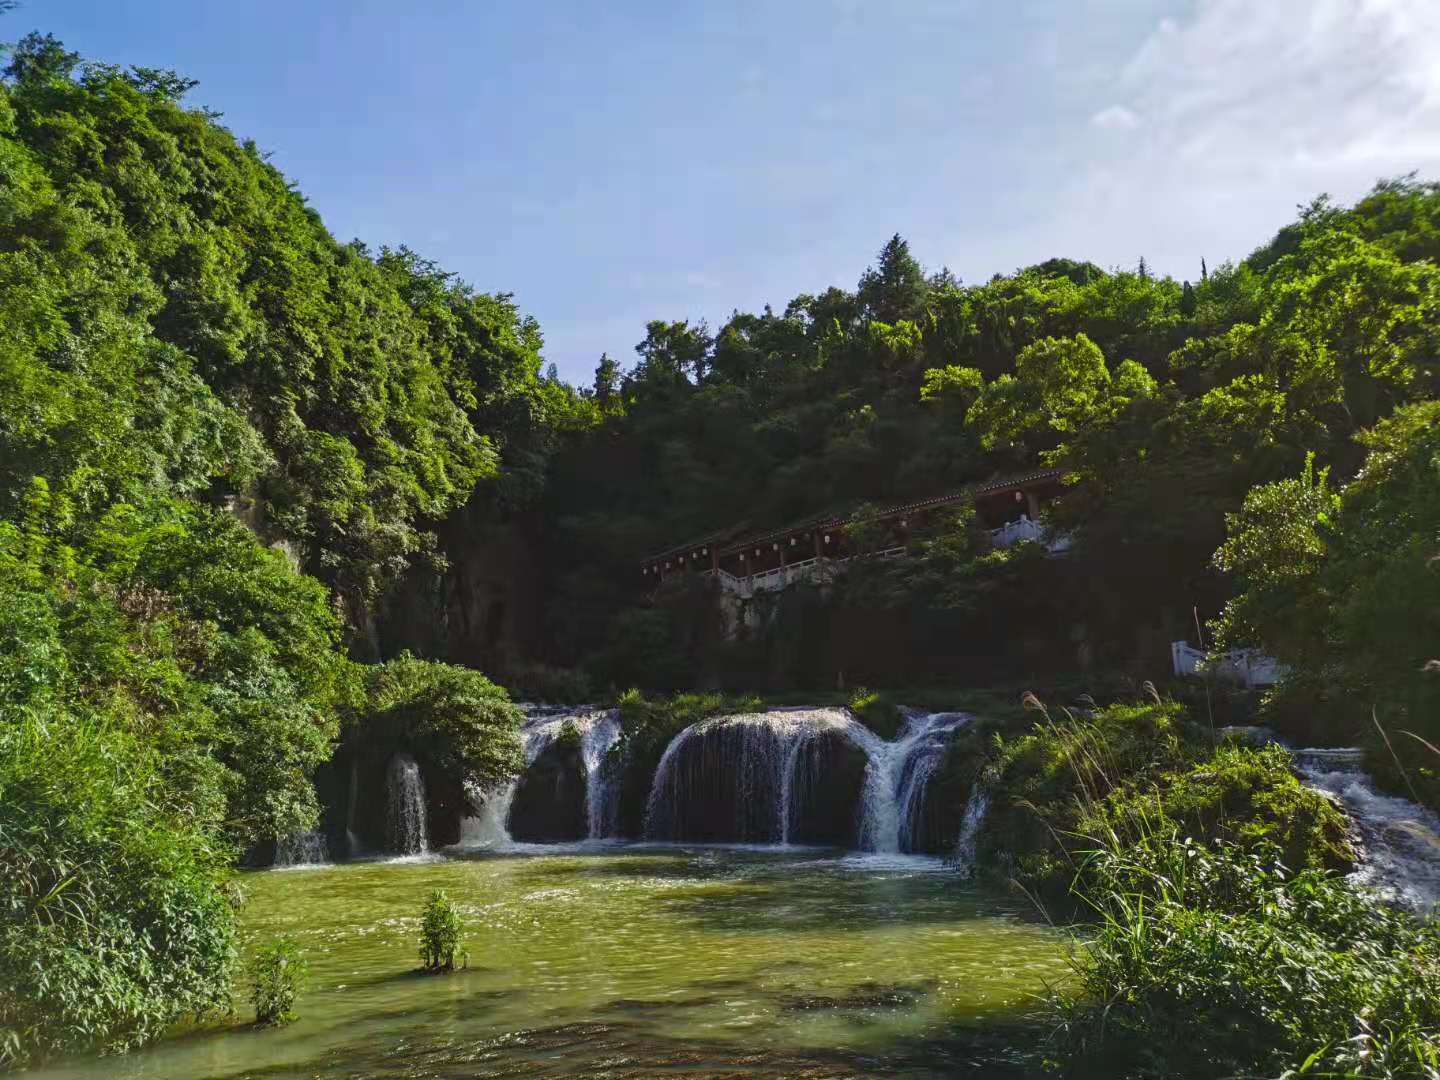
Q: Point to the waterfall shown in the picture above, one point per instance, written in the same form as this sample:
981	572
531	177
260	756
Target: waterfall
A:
742	777
599	729
1399	840
754	777
408	826
352	841
897	776
489	828
602	794
975	809
302	849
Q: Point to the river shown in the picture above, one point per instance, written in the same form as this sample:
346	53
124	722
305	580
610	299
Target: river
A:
636	960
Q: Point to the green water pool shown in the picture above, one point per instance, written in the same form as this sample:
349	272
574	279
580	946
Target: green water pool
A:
622	960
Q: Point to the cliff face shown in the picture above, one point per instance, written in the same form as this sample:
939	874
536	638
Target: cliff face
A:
484	610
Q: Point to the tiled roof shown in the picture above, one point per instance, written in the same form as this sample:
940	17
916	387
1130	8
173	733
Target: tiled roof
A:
966	493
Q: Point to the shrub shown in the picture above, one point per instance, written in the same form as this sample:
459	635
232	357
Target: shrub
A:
116	919
276	972
440	935
569	736
1248	795
453	718
1214	960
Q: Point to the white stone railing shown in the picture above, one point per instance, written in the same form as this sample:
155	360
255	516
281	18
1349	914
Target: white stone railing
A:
817	569
1026	529
1247	666
820	569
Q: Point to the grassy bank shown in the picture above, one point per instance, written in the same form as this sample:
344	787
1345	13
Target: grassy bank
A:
1219	937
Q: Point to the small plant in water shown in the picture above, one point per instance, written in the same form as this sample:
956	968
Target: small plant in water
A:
276	972
440	935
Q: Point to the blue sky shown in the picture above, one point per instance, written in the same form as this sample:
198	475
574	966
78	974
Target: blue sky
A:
610	163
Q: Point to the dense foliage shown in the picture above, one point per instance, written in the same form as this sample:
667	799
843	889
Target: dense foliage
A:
1221	961
222	435
454	719
1344	586
115	921
177	315
1217	938
1163	402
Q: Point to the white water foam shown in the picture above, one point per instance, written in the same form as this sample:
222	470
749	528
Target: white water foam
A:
1399	839
301	850
599	730
772	755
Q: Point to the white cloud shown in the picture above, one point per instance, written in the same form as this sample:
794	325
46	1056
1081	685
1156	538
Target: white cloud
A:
1251	108
1115	118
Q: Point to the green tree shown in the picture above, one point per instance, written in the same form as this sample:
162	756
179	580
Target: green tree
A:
895	288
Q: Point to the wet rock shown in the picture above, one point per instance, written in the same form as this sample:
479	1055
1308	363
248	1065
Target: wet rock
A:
549	805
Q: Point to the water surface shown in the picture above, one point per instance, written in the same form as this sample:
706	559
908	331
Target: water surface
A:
619	960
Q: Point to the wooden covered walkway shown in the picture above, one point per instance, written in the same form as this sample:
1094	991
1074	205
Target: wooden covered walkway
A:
746	563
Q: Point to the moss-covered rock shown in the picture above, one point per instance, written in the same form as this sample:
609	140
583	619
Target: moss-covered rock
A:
1250	796
1076	783
646	727
877	712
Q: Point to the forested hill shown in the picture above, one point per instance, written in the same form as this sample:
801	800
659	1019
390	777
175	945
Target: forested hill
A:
244	467
194	374
1164	402
182	336
178	319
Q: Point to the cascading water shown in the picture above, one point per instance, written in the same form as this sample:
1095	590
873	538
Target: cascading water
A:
352	840
975	809
759	777
302	849
407	821
741	777
897	776
1399	840
599	729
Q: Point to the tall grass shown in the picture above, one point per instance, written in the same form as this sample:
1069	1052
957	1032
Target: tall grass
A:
1210	960
1204	954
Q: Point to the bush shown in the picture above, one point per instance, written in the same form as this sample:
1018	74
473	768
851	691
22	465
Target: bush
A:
115	915
453	718
276	972
440	935
1248	795
1214	960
